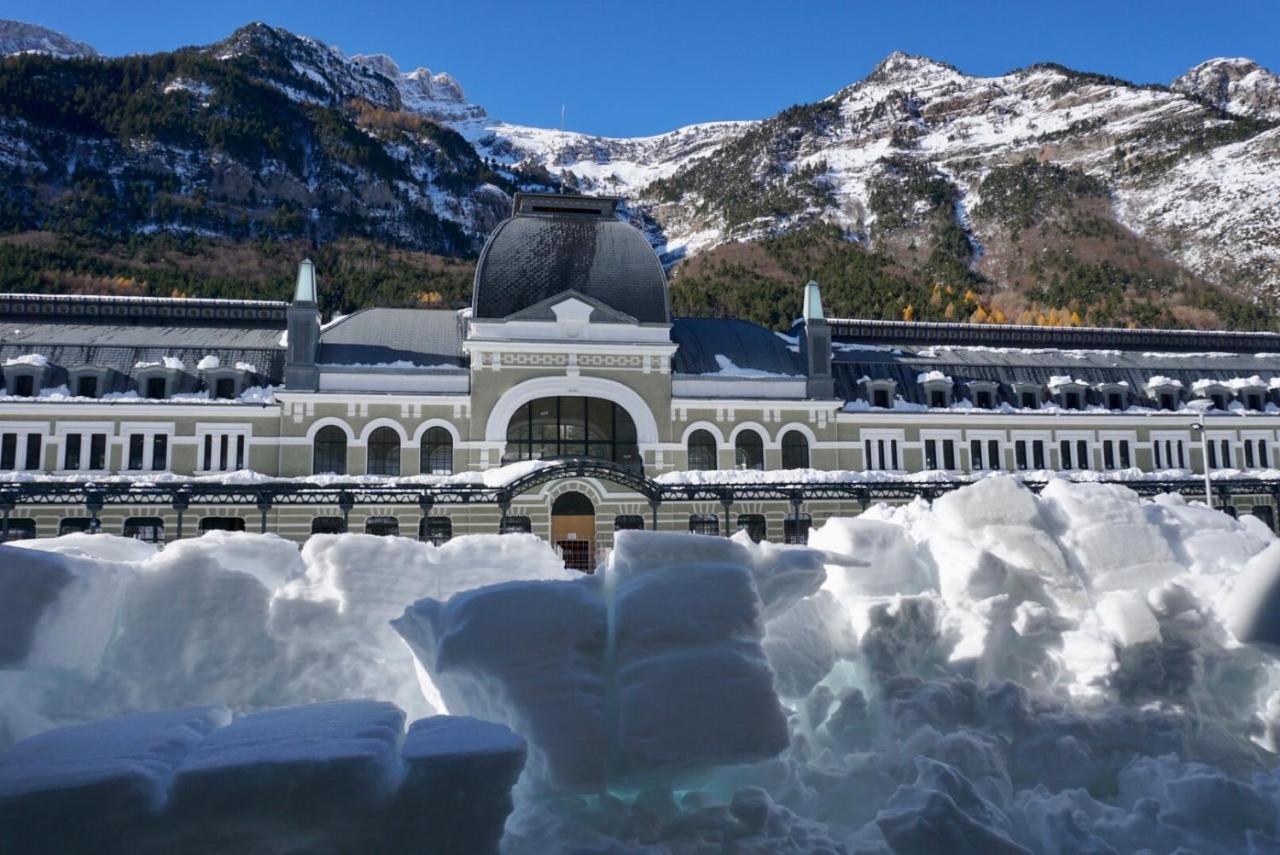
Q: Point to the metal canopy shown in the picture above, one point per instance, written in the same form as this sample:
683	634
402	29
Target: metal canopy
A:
181	495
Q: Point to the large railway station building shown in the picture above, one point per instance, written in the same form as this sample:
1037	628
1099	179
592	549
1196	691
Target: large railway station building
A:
568	402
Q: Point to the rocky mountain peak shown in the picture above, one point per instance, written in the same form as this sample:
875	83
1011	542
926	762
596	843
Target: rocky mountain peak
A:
1235	85
21	37
901	67
437	95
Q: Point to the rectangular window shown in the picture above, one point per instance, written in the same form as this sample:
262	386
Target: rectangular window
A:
983	400
208	451
1262	454
1082	454
159	452
98	451
975	454
156	387
1020	454
9	451
137	447
34	448
1213	455
1064	454
1125	460
1225	454
1248	454
24	386
704	524
225	388
240	452
993	455
1037	453
87	387
1108	454
71	460
222	454
795	528
949	454
930	454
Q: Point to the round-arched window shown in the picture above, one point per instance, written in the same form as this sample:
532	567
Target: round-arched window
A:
329	451
384	452
748	451
572	427
437	452
795	450
702	450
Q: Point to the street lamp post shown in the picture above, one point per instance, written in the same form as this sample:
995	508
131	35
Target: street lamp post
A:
1204	447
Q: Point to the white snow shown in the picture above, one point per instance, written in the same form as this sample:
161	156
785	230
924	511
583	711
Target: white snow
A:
342	775
993	671
208	362
729	369
37	359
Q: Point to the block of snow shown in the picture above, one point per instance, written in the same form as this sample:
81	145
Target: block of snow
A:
1127	618
302	763
456	789
208	363
656	667
74	788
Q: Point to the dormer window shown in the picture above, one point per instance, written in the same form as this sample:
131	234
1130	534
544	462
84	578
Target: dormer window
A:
1168	401
1072	401
87	386
24	386
880	393
984	394
1115	401
1219	400
1165	392
88	381
983	399
156	388
225	388
937	388
1255	401
1027	395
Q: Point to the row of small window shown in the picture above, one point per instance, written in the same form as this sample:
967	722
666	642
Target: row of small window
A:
748	450
1030	396
152	388
329	452
220	452
1031	454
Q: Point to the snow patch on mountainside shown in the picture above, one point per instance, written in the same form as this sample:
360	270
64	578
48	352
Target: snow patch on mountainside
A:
21	37
1234	85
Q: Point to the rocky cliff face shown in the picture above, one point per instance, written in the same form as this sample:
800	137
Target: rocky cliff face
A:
19	37
1237	86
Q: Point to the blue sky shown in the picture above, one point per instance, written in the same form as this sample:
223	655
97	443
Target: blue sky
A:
638	68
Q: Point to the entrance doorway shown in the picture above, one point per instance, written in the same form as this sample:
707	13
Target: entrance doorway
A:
573	530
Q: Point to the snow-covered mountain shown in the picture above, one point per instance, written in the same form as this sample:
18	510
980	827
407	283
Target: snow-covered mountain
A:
1011	183
21	37
1239	86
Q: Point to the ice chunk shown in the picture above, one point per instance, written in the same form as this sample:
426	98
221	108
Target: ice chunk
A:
1252	611
76	788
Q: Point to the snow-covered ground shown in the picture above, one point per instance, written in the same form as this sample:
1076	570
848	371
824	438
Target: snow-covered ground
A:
995	671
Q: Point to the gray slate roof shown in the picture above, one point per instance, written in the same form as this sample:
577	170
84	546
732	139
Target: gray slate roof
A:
424	337
533	256
905	364
746	345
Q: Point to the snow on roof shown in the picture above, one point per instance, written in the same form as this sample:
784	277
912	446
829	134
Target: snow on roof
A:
36	359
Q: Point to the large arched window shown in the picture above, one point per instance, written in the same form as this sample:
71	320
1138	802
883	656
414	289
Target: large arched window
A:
437	452
384	452
795	450
329	453
748	450
572	427
702	450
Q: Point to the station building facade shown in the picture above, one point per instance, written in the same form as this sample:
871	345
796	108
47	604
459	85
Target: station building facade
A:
569	351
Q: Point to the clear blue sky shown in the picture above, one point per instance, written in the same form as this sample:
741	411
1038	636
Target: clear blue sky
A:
648	66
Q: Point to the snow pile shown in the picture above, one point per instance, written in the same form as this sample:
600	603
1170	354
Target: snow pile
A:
38	360
655	667
96	625
341	775
208	362
1008	673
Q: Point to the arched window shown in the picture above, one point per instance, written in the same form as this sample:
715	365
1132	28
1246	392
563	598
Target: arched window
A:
795	450
437	452
329	453
748	451
384	452
702	450
572	427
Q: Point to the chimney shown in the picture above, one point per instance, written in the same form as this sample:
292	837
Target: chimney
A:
303	319
816	346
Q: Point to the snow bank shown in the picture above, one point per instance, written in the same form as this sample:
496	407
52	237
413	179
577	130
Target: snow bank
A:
655	667
997	672
341	775
96	625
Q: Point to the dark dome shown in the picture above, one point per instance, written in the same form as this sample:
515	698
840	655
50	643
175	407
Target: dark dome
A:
556	243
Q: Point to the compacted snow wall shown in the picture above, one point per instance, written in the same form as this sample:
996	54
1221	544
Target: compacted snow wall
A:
997	671
95	625
341	776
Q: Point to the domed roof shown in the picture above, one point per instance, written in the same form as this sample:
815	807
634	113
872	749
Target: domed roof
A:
552	244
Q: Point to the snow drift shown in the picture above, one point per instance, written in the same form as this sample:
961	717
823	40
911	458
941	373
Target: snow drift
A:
996	671
339	776
96	625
